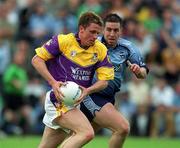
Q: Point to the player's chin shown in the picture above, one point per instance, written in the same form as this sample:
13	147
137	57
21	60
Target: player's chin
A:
91	43
111	44
111	41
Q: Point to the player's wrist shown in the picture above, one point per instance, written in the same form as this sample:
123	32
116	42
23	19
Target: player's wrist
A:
141	74
52	82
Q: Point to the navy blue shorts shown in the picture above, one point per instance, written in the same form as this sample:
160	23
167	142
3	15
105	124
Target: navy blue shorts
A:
94	103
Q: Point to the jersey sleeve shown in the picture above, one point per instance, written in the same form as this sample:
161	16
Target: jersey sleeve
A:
105	70
136	57
49	50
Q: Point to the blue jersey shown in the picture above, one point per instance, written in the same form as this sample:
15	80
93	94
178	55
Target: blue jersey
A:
119	56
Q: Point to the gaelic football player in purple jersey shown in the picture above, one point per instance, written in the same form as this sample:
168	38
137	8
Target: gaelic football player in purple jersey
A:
72	57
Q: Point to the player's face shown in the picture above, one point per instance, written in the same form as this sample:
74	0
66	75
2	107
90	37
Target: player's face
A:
89	34
112	31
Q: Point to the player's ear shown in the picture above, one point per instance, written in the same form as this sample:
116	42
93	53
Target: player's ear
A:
81	28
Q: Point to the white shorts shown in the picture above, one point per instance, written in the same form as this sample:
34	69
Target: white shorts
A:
52	112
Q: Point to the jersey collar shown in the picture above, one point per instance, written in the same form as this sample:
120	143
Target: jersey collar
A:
105	43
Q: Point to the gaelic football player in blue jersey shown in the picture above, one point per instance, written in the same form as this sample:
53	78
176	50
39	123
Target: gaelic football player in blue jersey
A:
99	107
72	57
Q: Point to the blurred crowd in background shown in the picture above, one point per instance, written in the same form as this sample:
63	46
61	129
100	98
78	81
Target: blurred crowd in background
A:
152	106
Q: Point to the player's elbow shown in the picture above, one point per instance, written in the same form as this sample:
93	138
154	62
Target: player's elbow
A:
33	61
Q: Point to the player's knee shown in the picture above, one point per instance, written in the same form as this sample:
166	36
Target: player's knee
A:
90	134
122	130
125	129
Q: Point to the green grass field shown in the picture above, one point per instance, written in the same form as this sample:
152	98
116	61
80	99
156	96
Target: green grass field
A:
98	142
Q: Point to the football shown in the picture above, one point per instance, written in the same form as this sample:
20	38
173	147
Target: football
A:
71	92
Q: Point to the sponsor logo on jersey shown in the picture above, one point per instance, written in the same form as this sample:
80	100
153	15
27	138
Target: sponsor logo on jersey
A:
79	74
95	57
73	53
49	42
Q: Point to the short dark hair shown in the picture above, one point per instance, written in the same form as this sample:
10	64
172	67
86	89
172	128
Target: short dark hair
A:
113	17
89	17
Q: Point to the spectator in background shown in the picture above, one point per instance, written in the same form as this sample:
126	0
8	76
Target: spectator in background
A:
64	21
142	95
139	96
90	5
129	28
142	39
176	108
12	9
41	24
124	104
153	23
4	60
73	6
141	121
24	16
7	32
171	62
162	96
153	58
176	21
35	93
16	111
119	7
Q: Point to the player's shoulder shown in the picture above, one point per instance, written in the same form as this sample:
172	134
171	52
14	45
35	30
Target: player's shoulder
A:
100	49
66	37
125	43
98	43
65	40
100	46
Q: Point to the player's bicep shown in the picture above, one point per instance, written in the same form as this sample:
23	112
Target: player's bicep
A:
43	53
135	56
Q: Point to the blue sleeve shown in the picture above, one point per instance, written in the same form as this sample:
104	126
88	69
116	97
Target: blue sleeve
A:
136	57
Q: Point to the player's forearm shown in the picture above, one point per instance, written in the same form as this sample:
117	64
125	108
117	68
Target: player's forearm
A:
99	85
40	66
142	74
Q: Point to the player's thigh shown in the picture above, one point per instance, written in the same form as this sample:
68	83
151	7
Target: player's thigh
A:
74	120
109	117
52	138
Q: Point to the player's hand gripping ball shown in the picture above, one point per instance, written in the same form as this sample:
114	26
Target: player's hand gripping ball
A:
71	92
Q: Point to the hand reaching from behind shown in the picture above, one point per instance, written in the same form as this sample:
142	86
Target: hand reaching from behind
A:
134	68
83	95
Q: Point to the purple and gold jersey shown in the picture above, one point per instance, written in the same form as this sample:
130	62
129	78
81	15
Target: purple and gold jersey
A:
67	61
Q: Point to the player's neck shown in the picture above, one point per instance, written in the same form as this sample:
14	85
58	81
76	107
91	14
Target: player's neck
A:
80	43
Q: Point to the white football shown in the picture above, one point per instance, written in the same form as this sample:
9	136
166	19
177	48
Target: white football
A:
71	92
